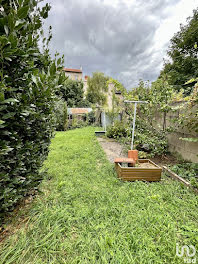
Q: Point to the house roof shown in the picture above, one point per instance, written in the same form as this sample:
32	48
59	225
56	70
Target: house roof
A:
77	111
72	70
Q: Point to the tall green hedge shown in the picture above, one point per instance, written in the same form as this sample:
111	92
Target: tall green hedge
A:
28	87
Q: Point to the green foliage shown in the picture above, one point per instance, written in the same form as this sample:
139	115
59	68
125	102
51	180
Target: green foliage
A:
29	82
72	93
188	171
78	123
60	114
118	86
91	118
97	89
117	130
149	140
183	54
85	214
190	139
158	95
117	103
188	118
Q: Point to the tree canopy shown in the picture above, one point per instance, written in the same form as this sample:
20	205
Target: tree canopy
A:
72	92
183	54
97	88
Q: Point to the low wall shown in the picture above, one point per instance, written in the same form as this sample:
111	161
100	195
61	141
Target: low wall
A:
188	150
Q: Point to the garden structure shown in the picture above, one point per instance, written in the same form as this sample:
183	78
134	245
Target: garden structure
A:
132	169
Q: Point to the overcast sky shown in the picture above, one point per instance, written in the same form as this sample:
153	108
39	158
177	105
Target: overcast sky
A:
125	39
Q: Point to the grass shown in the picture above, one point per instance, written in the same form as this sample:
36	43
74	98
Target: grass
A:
86	215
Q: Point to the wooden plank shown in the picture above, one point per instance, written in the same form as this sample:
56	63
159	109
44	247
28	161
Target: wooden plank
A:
134	170
147	180
178	178
156	178
175	176
124	160
136	173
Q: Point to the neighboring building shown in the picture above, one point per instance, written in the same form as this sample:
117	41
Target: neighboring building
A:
85	86
77	74
111	91
73	74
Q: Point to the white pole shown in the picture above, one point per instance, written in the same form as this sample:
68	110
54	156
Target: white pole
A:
105	127
134	117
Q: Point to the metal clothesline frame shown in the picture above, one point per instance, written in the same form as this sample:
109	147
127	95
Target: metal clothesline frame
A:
105	126
134	117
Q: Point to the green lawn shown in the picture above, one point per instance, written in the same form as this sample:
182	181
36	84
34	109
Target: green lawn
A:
86	215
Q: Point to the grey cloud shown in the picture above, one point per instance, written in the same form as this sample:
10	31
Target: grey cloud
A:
117	40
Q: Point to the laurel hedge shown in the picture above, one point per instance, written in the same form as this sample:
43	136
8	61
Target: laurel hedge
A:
28	87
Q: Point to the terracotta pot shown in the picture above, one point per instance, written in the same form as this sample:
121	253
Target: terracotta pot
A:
133	154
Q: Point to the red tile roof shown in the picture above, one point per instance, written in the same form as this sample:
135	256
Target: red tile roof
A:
72	70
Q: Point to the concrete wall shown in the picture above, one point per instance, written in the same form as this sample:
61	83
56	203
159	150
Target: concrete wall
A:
188	150
110	96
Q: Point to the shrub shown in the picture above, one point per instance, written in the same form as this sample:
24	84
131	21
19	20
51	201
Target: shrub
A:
72	93
78	123
147	140
29	81
150	140
117	130
61	115
91	118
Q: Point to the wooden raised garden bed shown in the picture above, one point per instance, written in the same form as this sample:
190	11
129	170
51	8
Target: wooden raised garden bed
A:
145	170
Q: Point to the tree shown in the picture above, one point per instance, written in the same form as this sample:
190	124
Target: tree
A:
158	95
72	93
97	87
183	54
29	80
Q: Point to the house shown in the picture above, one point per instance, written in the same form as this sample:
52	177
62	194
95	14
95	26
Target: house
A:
77	74
74	74
85	86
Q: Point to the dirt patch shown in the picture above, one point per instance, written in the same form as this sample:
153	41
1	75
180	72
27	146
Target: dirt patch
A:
112	149
165	160
17	218
146	165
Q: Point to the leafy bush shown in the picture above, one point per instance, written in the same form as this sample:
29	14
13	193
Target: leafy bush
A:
61	115
78	123
117	130
147	140
150	140
188	171
72	92
91	118
29	82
